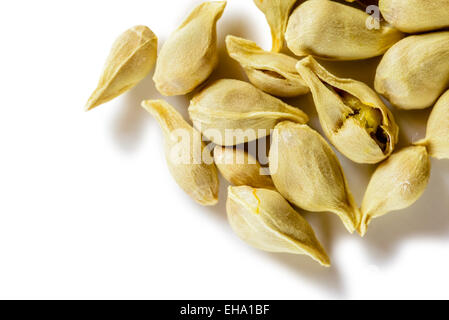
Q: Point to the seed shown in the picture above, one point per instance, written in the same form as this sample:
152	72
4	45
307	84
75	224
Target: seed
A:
132	57
351	114
230	112
276	12
307	173
274	73
415	16
334	31
186	154
265	220
190	54
415	71
437	138
396	184
241	169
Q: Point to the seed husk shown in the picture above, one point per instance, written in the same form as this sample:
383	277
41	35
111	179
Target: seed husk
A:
396	184
335	31
413	16
190	54
132	57
437	136
188	160
230	112
265	220
273	73
352	115
306	171
277	13
241	169
415	71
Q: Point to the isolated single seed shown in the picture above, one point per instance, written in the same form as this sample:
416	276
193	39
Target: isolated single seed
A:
334	31
277	13
396	184
307	173
189	161
132	57
413	16
415	71
273	73
190	54
265	220
230	112
437	137
352	115
241	169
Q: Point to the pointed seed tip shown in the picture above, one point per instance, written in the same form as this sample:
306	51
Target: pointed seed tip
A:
210	203
361	230
147	105
324	260
90	105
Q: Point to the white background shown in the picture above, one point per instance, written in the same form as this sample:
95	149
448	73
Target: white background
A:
88	208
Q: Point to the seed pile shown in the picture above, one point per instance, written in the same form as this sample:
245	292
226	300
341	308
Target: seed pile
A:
303	170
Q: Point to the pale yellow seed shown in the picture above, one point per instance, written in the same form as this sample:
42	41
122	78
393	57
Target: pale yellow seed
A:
437	137
273	73
352	115
131	59
335	31
413	16
265	220
230	112
190	54
415	71
307	173
189	162
277	13
241	169
396	184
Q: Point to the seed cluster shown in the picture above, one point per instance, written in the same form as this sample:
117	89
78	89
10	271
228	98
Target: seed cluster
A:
303	170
